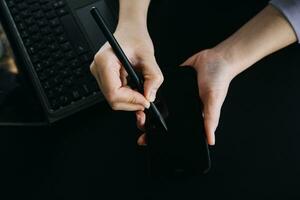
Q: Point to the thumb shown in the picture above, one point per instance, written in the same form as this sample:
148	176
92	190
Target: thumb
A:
212	109
189	62
153	78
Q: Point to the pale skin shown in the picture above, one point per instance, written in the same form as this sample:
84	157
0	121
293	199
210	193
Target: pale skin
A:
264	34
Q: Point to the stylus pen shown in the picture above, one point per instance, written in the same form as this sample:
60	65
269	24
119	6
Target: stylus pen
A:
138	83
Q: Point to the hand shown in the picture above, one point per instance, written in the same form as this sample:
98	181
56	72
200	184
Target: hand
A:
214	75
111	76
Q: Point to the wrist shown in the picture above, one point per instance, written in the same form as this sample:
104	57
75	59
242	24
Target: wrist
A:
133	13
226	59
135	18
134	25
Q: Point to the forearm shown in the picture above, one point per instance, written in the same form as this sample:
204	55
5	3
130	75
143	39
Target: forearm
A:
266	33
133	12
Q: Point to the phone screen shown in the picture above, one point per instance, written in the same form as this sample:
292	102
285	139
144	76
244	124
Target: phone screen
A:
182	150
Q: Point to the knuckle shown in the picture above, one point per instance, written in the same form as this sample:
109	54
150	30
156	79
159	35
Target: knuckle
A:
132	100
114	106
93	69
98	58
111	97
160	79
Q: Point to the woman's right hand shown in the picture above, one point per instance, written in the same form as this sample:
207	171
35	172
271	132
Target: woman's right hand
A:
112	77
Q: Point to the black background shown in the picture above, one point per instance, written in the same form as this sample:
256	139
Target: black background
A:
92	155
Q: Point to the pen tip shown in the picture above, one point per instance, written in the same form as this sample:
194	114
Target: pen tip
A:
164	125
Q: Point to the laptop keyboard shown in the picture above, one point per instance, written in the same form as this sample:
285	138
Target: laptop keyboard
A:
57	49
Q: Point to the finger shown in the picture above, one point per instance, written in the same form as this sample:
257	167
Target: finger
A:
142	140
190	61
212	109
128	96
106	70
153	78
111	86
127	107
141	119
123	76
93	71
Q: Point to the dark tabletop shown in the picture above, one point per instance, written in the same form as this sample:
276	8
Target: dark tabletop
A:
93	155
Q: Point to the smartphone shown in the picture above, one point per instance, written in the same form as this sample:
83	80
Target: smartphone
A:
182	150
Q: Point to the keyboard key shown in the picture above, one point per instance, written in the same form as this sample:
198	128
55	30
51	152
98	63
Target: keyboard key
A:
46	30
32	50
50	14
74	63
33	29
32	1
64	100
43	1
79	71
39	14
62	11
70	55
81	49
46	7
66	46
21	26
75	94
25	14
86	89
38	67
86	58
62	38
36	37
54	104
22	6
53	47
69	81
40	46
35	7
43	76
46	85
10	4
57	55
60	65
59	30
24	34
35	59
48	63
58	4
42	22
14	11
29	21
59	89
65	72
54	22
18	18
43	54
48	39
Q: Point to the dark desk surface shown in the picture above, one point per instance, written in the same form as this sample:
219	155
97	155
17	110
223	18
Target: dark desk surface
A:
93	154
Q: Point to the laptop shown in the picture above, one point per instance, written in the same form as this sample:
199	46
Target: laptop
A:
55	41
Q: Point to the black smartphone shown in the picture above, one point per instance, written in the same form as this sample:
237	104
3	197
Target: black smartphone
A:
182	150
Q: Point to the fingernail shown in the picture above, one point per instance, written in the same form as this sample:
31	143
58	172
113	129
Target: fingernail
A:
152	96
147	105
138	118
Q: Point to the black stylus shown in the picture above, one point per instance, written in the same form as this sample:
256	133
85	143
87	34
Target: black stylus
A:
125	61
